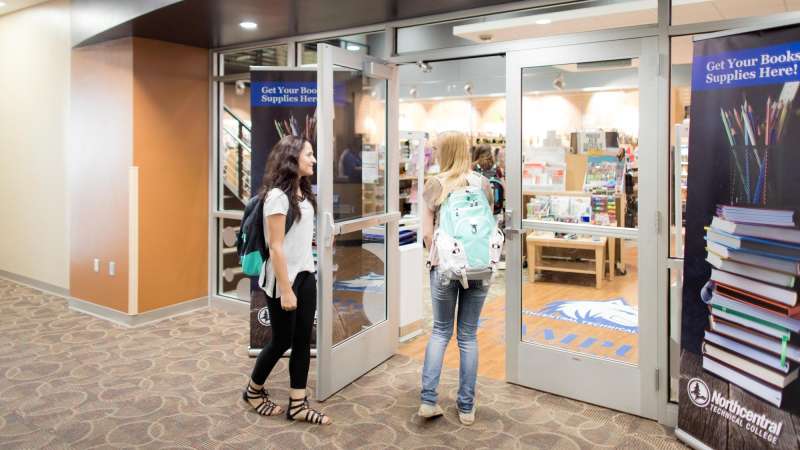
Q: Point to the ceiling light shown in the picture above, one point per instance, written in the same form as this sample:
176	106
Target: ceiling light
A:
248	25
2	4
543	22
353	47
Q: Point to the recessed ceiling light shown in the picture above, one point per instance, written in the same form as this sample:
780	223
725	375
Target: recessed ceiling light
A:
353	47
248	25
543	22
2	4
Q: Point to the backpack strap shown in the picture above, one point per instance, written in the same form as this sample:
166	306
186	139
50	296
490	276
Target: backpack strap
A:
474	180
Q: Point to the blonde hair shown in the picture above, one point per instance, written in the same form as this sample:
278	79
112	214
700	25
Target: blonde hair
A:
454	162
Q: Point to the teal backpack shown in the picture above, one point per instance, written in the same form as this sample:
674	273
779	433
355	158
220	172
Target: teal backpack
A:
468	243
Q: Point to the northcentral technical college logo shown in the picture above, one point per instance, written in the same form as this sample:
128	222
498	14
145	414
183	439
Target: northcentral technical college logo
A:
698	392
263	316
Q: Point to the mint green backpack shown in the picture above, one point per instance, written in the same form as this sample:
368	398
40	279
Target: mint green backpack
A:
468	243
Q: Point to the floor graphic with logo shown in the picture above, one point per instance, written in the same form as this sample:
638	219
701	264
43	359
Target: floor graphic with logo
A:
614	313
606	328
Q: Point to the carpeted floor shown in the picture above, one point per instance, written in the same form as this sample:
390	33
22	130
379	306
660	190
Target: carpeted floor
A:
68	380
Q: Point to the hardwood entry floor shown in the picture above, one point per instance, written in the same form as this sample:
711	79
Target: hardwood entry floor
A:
597	340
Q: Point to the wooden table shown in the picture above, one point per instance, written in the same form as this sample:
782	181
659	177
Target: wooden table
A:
535	244
613	243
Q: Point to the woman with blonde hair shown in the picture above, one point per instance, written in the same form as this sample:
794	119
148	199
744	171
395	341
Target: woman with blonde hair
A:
451	301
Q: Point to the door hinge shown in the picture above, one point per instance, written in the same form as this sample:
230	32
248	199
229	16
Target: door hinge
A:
658	379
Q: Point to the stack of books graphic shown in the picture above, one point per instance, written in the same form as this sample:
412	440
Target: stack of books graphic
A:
752	338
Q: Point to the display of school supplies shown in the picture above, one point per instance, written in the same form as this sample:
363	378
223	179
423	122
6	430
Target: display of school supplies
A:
752	134
291	127
604	175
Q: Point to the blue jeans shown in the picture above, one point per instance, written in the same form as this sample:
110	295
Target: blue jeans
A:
470	302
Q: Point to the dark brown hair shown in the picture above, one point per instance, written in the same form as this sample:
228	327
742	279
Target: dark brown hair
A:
282	172
480	151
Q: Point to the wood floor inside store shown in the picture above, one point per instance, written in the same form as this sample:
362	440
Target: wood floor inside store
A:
602	334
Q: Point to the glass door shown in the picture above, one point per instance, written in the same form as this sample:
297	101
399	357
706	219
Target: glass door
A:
357	216
582	255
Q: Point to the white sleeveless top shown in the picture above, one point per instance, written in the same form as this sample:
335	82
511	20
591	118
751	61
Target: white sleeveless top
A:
296	244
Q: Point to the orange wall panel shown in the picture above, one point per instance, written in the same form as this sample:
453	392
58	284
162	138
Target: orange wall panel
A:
170	147
98	163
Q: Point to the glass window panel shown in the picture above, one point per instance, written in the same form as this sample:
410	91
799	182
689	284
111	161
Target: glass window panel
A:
241	61
231	282
680	100
580	142
675	302
359	283
235	148
359	187
365	44
567	306
580	128
696	11
574	17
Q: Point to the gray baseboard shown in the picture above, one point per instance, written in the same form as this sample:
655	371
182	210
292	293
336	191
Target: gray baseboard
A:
690	440
138	320
229	305
36	284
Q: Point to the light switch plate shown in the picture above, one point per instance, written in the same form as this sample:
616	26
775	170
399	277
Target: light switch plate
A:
97	265
112	268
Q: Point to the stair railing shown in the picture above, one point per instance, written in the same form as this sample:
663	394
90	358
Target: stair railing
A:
242	139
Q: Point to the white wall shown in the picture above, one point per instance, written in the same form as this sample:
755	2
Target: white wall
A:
34	114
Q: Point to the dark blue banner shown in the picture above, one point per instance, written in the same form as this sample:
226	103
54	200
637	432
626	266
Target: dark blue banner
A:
745	123
283	93
751	67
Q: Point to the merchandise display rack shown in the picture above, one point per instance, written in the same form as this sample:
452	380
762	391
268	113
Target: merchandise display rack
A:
681	173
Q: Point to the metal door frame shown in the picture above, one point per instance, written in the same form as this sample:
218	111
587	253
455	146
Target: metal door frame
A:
625	387
339	365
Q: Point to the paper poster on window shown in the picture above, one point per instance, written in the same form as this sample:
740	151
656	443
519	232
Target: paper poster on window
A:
740	329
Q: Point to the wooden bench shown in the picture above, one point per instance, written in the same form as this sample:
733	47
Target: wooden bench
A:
535	244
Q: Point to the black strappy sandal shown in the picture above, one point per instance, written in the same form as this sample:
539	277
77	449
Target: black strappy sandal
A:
267	407
297	406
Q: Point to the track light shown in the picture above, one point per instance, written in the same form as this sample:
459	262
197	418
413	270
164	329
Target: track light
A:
424	67
240	87
559	82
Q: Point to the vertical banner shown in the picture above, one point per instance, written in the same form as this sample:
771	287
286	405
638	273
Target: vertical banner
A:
282	102
741	317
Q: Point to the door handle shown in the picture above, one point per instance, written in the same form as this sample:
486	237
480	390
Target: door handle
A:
507	220
329	229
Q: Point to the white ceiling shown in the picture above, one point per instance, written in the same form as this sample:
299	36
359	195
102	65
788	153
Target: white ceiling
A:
15	5
624	13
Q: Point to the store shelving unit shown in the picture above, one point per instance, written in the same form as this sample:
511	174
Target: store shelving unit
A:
412	178
411	167
681	172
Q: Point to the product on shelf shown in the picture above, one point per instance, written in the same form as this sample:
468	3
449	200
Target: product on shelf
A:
604	174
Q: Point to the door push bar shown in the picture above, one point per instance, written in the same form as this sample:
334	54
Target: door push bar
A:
333	229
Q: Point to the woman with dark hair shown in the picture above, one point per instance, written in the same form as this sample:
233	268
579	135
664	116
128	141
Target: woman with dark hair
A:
288	277
483	160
